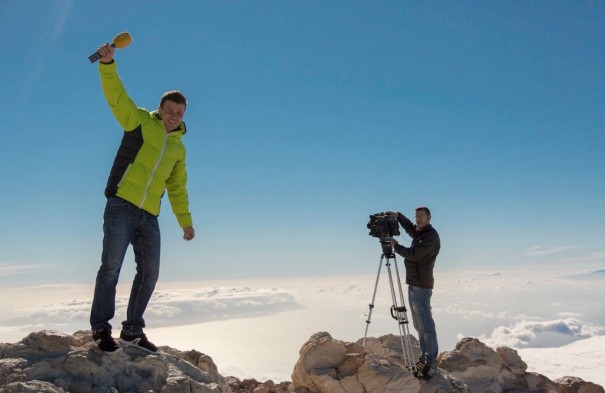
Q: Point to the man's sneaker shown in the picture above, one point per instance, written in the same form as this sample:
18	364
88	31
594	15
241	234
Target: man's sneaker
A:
139	341
105	341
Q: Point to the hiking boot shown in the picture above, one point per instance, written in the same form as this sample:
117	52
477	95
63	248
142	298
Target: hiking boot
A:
425	371
139	341
105	341
419	365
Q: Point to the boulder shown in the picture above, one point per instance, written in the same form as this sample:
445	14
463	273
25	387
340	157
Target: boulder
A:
50	361
484	370
327	365
577	385
55	362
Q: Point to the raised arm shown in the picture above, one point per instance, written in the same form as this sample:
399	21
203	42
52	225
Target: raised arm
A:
122	107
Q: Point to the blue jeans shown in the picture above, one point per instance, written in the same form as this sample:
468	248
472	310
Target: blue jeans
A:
126	224
420	307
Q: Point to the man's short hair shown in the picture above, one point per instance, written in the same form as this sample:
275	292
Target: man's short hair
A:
174	96
424	209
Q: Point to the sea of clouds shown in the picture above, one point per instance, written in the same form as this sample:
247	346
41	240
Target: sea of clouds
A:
255	328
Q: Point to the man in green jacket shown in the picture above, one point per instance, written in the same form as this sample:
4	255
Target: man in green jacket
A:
149	161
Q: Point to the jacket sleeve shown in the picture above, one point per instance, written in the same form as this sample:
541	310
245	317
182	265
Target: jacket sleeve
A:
122	107
426	246
176	185
406	224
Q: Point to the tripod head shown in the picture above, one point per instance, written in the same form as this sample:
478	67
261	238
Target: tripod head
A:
387	248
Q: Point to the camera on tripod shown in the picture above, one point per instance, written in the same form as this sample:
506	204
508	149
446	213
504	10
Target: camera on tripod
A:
382	226
385	226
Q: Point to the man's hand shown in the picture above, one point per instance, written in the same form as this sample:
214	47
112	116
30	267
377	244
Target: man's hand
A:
106	51
394	243
188	233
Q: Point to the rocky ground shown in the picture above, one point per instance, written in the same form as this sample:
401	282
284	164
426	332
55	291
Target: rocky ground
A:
55	362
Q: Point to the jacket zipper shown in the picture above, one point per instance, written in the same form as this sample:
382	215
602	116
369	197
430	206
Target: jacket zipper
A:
157	163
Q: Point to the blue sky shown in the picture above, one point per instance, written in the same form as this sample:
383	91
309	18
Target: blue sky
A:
305	117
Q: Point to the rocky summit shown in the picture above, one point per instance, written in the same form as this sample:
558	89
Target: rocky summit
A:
55	362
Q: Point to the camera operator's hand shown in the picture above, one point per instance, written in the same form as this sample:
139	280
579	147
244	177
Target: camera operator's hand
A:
394	243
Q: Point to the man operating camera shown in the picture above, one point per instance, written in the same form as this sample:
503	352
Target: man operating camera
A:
419	259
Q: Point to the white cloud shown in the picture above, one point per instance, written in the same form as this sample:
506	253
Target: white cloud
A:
582	358
597	274
168	307
470	313
10	269
539	250
255	328
542	334
593	257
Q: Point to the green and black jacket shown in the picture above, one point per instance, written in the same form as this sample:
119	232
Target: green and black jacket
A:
149	160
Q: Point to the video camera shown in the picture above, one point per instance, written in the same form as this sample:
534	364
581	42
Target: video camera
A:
382	226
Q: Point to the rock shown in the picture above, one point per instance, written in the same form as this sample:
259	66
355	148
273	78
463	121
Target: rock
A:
55	362
319	358
577	385
253	386
11	370
327	365
484	370
50	361
31	387
353	368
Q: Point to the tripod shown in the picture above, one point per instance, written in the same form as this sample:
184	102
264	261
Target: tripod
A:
398	312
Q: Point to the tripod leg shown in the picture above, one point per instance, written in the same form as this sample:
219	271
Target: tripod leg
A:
368	321
399	313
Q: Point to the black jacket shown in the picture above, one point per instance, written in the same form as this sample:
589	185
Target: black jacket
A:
420	257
